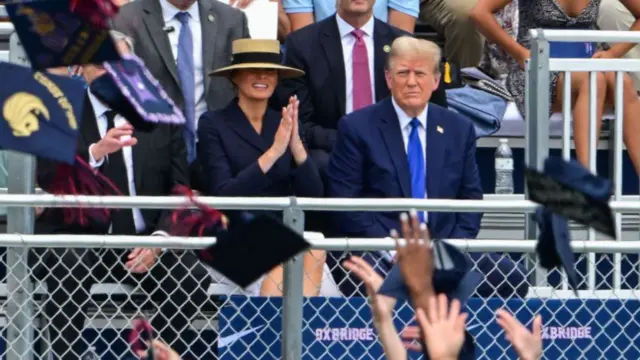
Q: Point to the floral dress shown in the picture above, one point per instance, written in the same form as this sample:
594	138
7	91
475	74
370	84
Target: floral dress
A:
545	14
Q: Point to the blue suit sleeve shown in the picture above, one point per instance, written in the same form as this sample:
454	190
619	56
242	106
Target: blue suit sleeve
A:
468	224
345	180
251	181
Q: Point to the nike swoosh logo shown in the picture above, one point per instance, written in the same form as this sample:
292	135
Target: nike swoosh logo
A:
228	340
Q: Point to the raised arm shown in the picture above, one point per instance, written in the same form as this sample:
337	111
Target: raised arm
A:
403	14
300	13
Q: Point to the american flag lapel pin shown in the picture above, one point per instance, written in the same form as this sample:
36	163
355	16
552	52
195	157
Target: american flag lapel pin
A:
440	129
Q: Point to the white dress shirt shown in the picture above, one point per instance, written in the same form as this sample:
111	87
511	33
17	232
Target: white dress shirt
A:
348	42
100	111
169	13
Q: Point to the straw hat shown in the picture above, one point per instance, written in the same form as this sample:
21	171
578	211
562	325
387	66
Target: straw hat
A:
257	54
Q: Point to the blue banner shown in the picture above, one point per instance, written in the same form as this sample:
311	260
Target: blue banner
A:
339	328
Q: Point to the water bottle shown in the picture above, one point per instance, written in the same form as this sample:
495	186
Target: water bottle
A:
91	354
504	168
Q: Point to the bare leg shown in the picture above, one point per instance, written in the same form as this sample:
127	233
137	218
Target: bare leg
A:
580	106
630	112
314	260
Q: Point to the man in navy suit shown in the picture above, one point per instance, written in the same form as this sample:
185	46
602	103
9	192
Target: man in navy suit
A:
343	58
406	147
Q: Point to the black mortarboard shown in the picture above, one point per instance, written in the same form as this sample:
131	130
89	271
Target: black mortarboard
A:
568	189
247	247
41	112
94	12
129	88
52	35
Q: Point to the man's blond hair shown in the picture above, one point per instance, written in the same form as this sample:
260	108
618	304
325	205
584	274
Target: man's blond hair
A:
420	48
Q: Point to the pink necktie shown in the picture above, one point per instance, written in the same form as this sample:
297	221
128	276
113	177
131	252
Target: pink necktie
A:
362	92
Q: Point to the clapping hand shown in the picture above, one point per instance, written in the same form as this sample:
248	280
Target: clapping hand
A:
527	344
140	260
381	305
283	134
295	144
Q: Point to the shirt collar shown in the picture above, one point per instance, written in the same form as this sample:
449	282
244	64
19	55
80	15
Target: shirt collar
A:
99	108
169	11
345	29
406	119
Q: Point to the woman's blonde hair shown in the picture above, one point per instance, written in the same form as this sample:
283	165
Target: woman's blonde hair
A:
410	46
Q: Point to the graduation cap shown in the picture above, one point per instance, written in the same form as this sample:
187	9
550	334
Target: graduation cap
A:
129	88
452	276
41	115
247	247
53	35
568	189
95	12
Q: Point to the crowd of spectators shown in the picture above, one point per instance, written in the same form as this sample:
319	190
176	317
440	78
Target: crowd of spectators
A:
354	109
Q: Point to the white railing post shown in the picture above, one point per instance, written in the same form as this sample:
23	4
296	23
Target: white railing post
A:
20	220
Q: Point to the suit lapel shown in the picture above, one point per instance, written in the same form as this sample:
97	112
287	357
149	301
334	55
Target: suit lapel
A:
392	135
89	125
208	26
332	46
237	121
154	23
381	41
436	150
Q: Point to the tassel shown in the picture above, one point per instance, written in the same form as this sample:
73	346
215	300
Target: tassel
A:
447	73
80	179
188	222
95	12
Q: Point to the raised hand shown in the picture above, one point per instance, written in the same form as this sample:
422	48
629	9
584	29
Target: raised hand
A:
442	327
528	344
297	147
414	254
114	140
381	305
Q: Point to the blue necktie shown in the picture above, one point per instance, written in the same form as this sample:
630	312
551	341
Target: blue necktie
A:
417	165
186	75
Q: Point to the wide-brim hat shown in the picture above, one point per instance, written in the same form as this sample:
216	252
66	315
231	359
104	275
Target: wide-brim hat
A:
257	54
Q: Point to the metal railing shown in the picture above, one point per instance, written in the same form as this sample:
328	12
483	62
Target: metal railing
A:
538	103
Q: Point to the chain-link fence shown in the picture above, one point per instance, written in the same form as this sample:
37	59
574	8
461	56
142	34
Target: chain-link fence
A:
81	309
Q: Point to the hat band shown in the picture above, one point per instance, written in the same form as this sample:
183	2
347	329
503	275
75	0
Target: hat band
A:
256	57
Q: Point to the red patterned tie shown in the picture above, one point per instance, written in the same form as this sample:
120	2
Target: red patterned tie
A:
362	91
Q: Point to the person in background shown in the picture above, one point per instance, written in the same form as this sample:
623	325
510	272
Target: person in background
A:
463	42
284	24
558	14
399	13
180	57
614	15
343	57
176	283
406	147
248	149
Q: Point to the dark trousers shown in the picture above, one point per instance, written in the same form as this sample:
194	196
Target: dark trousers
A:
177	285
502	277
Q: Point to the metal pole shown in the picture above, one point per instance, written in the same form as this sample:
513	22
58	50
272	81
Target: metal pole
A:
537	131
292	291
19	286
21	168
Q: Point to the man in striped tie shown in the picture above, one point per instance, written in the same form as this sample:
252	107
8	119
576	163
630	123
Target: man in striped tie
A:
406	147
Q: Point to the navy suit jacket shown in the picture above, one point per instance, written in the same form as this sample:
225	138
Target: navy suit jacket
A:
370	161
317	49
229	148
